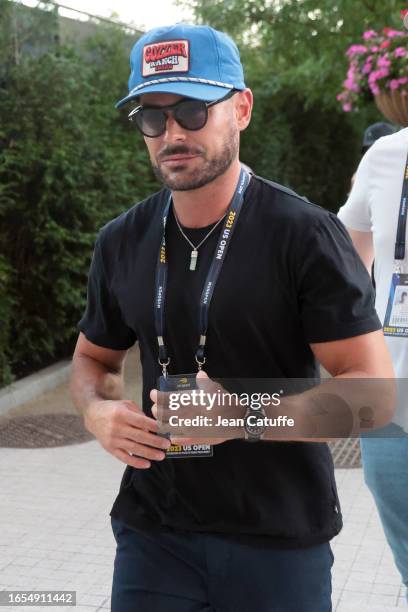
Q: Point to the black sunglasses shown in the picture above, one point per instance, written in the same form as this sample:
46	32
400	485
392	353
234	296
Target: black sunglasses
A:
190	114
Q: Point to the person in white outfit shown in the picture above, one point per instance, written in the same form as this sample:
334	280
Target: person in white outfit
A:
375	216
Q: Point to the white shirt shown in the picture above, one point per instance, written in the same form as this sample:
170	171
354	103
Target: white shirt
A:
373	206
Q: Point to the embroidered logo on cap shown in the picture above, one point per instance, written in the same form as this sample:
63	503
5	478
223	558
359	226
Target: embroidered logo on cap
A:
168	56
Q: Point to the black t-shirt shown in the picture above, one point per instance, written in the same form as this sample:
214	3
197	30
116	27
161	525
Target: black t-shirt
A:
291	277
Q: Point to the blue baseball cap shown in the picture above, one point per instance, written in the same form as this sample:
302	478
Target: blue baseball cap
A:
194	61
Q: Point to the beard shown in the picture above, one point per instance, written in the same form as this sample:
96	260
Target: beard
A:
179	178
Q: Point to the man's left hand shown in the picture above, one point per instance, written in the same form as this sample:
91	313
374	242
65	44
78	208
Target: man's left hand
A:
206	414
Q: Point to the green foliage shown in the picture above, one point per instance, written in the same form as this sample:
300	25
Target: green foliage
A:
25	30
299	43
6	312
68	164
305	148
293	52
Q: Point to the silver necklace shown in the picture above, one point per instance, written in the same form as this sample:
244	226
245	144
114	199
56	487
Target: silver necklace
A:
194	252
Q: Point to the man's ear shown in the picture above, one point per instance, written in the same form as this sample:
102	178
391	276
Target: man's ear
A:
244	101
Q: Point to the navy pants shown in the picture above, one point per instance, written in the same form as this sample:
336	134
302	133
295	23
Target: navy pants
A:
190	572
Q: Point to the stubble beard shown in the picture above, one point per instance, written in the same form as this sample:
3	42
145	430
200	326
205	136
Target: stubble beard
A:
179	179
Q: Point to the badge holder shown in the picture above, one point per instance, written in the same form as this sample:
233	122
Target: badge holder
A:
179	383
396	316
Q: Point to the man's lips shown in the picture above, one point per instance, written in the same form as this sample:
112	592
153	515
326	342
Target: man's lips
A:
178	158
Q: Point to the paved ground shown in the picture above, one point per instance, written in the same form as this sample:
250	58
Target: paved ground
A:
55	532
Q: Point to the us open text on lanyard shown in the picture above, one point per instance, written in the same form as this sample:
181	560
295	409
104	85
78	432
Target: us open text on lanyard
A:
396	316
230	222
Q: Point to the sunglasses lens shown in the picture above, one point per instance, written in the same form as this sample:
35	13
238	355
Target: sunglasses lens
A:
151	121
191	114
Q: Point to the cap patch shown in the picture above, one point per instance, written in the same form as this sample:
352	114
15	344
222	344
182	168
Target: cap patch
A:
167	56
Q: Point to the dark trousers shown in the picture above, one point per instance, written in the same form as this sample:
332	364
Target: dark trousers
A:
191	572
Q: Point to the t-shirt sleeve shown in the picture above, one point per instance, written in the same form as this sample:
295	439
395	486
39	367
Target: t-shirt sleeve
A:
335	294
102	322
355	214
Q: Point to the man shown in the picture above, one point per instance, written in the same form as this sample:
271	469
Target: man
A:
373	133
375	217
247	277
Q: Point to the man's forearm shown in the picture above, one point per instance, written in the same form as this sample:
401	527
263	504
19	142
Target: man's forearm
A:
91	381
342	406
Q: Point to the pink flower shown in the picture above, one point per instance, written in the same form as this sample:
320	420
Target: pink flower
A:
383	62
383	72
393	84
351	85
343	96
393	33
376	65
356	50
400	51
351	82
377	74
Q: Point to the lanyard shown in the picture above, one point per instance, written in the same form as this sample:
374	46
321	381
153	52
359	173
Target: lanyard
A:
231	219
399	252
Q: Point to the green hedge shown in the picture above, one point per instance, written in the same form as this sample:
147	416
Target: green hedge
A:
313	150
68	164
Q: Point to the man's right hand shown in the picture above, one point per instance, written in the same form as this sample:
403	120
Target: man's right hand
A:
126	432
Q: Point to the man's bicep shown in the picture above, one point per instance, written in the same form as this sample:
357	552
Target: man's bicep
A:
112	359
363	243
366	354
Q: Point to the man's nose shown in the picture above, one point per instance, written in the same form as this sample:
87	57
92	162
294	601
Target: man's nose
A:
174	131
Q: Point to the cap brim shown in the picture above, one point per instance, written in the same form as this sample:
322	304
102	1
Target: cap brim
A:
197	91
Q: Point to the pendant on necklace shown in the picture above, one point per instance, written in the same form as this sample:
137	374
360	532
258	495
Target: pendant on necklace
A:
193	259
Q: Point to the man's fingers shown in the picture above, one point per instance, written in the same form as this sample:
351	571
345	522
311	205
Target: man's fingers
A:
137	419
145	452
136	462
132	406
142	437
160	398
207	384
160	414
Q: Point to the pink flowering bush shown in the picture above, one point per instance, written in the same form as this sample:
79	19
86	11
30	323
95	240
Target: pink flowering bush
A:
378	64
